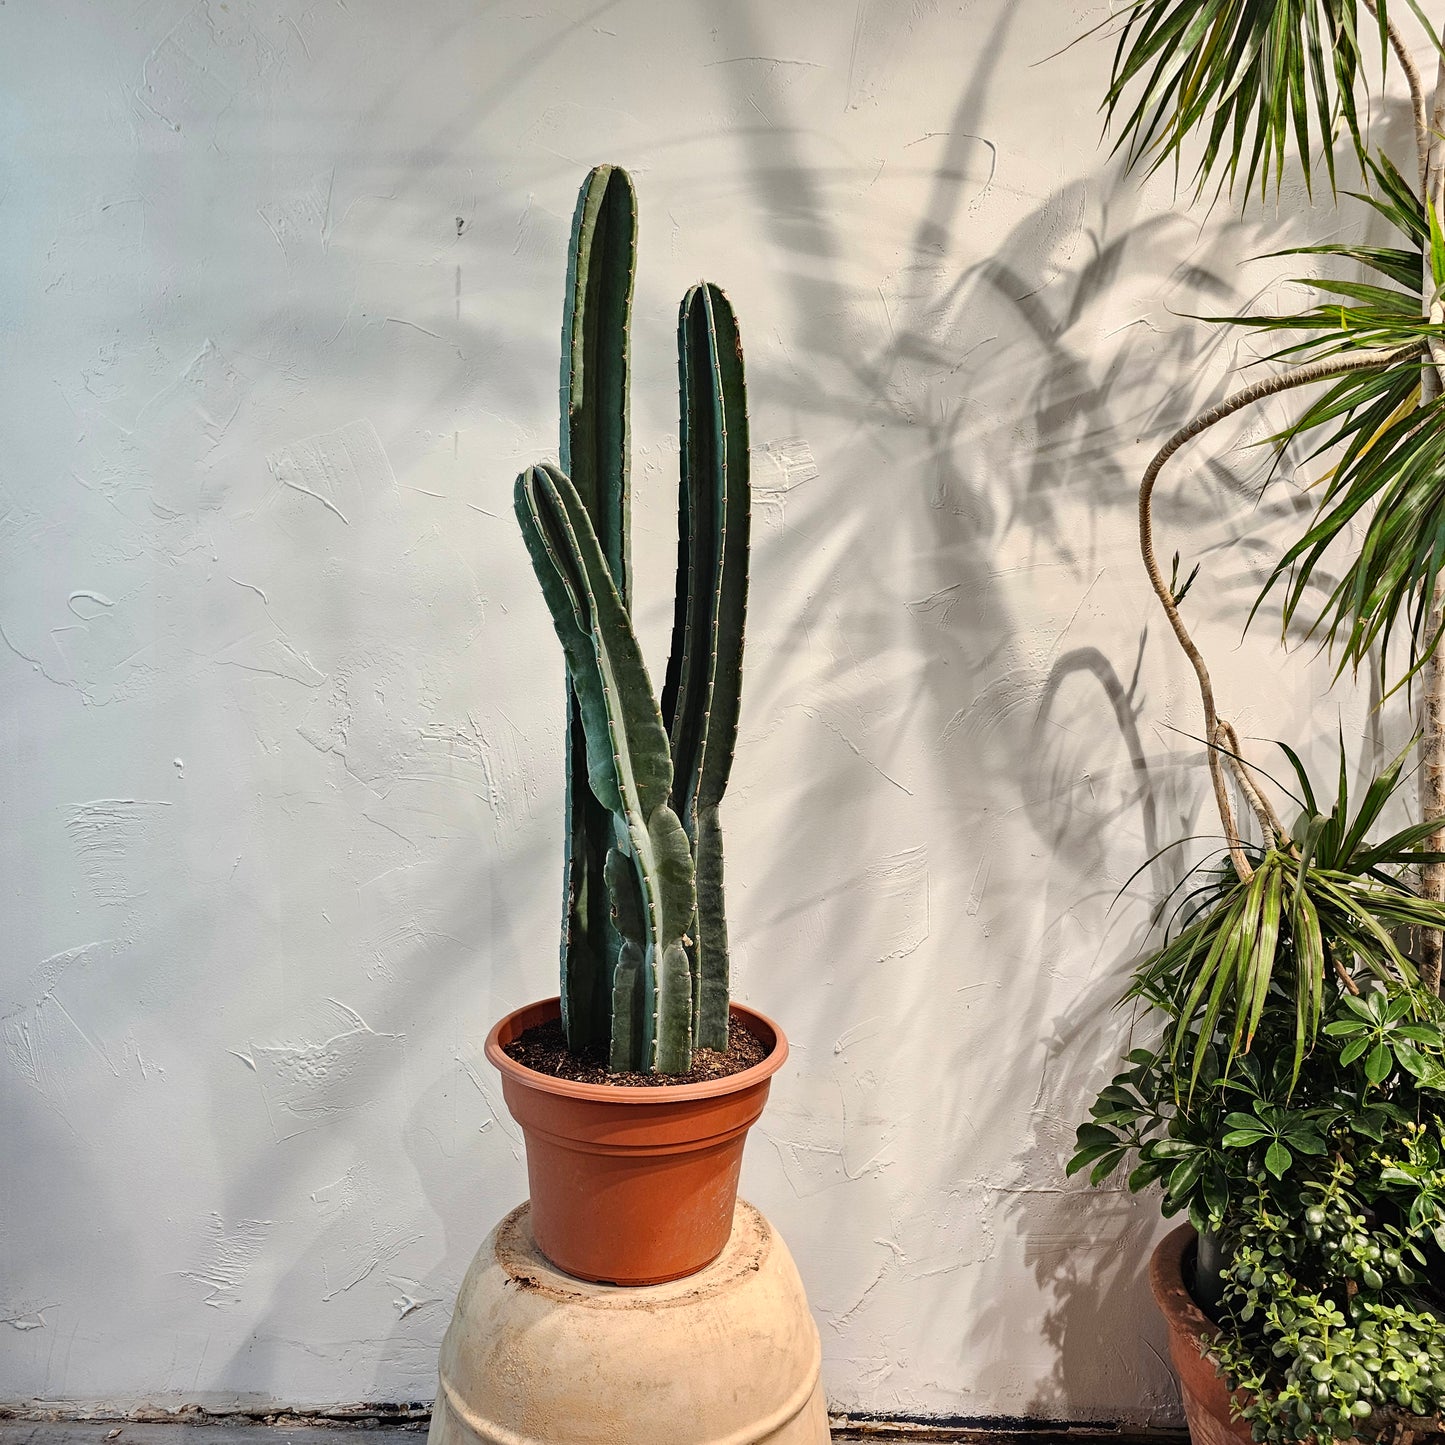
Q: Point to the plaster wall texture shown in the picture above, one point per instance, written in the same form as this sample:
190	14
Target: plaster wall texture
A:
280	706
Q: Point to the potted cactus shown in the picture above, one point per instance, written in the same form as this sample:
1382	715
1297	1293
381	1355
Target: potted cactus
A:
649	1079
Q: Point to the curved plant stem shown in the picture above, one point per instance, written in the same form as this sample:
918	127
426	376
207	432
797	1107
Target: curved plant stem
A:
1220	738
1270	824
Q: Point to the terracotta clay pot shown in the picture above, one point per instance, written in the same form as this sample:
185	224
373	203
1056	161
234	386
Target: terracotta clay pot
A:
632	1185
729	1356
1206	1396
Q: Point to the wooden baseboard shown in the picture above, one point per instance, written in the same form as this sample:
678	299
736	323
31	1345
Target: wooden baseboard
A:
1000	1431
340	1417
412	1418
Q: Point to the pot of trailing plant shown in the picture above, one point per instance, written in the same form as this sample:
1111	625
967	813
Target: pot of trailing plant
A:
1191	1332
632	1185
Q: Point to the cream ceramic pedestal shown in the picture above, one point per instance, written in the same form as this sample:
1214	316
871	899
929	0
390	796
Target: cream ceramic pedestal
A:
728	1356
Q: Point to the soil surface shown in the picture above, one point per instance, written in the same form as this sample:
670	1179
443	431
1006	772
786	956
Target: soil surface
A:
544	1049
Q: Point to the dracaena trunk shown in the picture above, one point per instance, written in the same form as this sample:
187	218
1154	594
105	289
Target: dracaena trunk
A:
1432	701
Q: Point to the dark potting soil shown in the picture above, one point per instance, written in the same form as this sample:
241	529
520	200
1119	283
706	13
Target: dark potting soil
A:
543	1047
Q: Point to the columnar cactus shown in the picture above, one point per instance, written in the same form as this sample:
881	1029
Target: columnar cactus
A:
644	936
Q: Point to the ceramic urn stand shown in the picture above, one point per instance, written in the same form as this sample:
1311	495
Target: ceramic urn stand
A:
727	1356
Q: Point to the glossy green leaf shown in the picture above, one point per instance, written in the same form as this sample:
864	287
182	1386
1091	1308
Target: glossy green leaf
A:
1277	1159
1241	1138
1378	1064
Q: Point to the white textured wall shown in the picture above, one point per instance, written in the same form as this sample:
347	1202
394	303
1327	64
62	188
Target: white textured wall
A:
280	705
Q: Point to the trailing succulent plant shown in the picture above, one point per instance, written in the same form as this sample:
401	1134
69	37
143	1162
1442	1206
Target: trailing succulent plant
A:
644	936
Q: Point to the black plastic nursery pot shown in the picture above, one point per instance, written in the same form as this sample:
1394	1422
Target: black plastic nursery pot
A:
1191	1331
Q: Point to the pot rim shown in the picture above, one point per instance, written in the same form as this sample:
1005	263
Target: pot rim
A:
759	1024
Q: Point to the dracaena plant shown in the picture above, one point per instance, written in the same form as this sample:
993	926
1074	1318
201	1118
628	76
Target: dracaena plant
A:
1292	1100
1244	89
644	953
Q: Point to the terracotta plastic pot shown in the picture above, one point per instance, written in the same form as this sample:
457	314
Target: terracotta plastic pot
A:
632	1185
1191	1331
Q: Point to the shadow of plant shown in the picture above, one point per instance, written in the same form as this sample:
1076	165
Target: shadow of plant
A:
1005	406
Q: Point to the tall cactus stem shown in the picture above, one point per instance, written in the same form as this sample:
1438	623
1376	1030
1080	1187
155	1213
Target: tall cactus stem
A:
596	358
601	265
702	691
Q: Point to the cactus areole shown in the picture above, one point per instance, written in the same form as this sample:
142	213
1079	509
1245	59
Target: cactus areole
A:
644	950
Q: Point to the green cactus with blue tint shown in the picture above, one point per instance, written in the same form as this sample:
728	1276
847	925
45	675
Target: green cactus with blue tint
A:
644	938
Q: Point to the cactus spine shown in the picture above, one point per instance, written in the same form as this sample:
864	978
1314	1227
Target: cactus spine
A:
644	939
